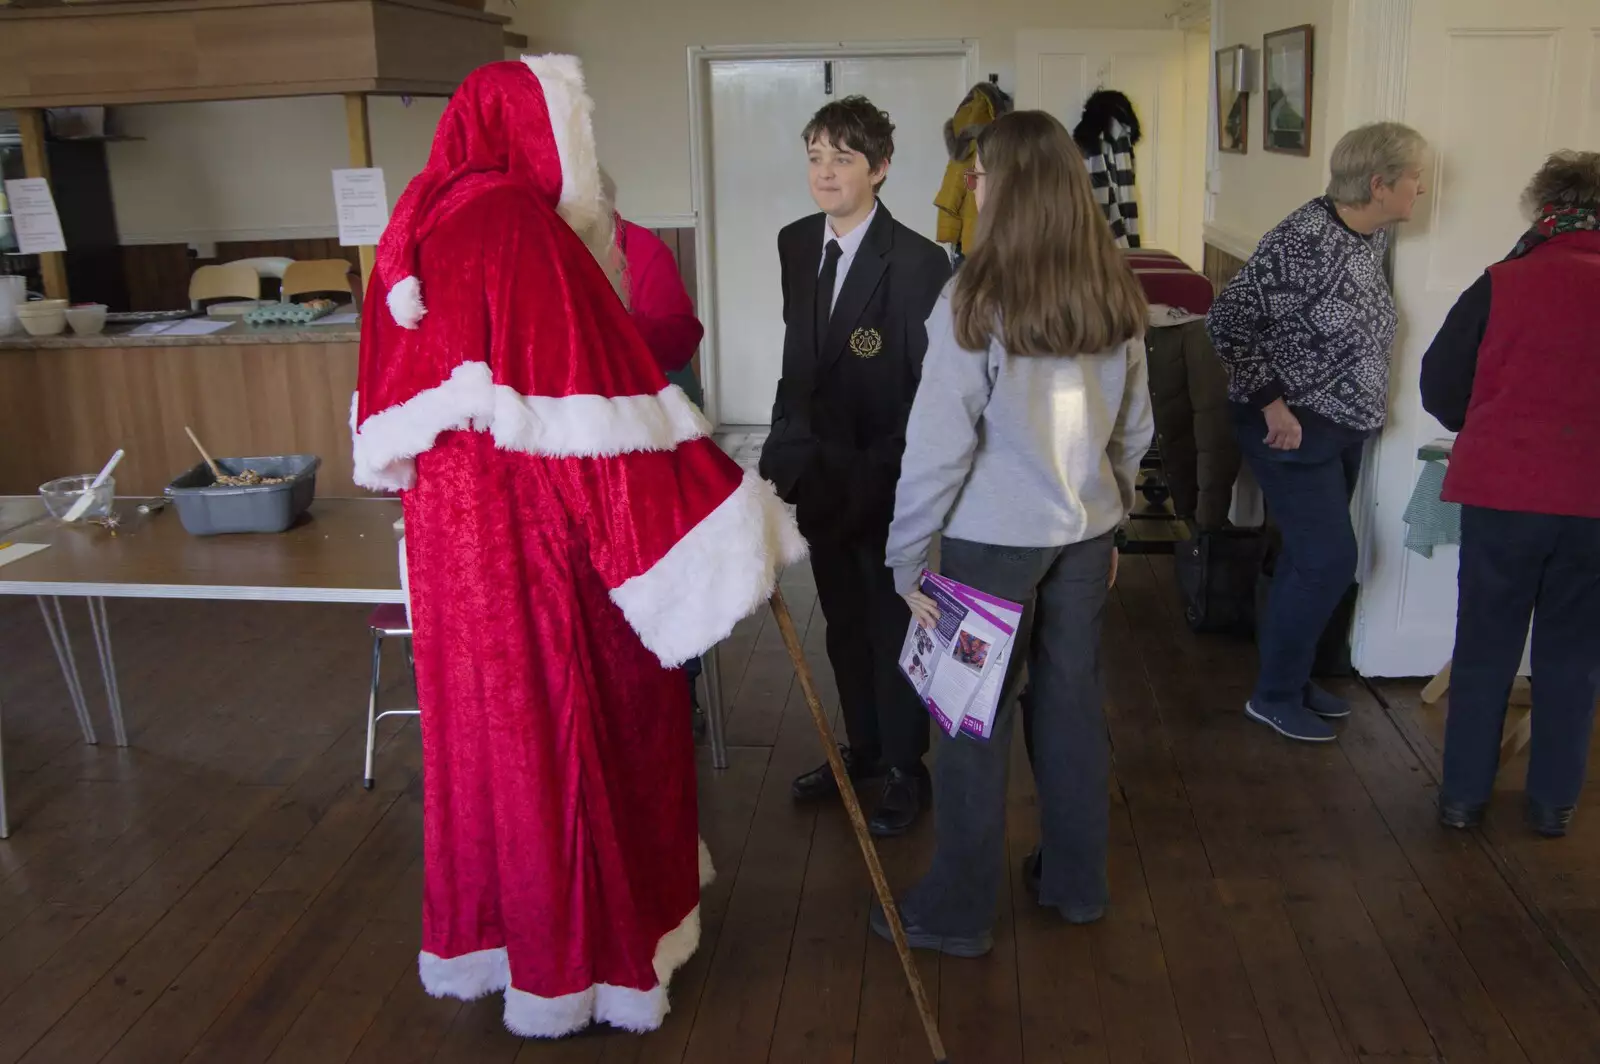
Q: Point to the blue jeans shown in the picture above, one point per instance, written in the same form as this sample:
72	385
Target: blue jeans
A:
1517	566
1308	497
1063	594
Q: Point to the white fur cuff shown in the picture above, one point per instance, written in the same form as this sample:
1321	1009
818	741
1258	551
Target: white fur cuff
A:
714	577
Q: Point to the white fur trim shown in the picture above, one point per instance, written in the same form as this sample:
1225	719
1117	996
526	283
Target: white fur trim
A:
714	577
472	975
708	871
571	111
386	444
405	302
469	976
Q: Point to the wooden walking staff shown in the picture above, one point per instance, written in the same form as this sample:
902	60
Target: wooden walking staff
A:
797	654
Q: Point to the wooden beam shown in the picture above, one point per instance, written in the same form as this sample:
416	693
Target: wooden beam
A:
360	133
518	41
36	163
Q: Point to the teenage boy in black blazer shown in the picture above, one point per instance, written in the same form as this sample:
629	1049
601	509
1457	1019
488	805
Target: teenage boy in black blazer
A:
857	289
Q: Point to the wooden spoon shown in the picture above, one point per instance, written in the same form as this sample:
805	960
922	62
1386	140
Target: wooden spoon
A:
216	470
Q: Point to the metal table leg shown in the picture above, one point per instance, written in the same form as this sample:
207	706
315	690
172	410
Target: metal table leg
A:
716	723
56	625
5	815
108	667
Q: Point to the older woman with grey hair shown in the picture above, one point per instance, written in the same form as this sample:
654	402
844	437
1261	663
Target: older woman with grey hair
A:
1305	329
1515	369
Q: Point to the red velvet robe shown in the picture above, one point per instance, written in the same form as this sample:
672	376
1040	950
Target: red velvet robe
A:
571	532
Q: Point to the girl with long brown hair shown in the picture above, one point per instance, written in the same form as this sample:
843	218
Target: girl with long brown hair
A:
1024	440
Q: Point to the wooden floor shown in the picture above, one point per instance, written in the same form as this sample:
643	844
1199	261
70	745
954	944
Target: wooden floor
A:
226	891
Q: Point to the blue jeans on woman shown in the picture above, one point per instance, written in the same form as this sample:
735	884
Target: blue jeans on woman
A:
1308	493
1517	567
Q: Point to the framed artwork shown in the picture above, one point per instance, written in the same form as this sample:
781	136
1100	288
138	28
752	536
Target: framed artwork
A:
1233	102
1286	59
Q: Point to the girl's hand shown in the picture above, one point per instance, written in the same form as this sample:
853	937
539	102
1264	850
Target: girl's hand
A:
923	609
1116	555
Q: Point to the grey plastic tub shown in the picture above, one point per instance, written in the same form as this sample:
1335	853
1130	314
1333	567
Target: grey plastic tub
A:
212	511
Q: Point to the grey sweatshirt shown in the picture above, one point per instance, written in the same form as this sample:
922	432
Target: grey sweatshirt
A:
1017	450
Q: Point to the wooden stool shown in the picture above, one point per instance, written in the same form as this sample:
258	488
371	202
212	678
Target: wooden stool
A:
1519	714
387	621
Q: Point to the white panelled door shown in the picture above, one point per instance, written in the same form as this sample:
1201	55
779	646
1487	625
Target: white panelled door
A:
920	93
1057	70
1495	87
758	172
758	185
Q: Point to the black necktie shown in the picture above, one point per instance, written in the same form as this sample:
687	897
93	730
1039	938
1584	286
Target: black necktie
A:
825	283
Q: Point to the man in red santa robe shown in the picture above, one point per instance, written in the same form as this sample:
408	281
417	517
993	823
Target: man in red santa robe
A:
571	534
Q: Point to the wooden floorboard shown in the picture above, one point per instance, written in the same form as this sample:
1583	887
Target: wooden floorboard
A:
224	890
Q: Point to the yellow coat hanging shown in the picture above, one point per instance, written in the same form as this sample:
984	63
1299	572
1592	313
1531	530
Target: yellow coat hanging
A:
958	210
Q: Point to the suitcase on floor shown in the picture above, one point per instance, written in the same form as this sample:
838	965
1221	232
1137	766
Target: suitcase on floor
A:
1217	573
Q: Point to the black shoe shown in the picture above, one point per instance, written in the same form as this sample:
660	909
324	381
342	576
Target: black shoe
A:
905	794
1033	871
1460	815
1549	820
819	782
921	938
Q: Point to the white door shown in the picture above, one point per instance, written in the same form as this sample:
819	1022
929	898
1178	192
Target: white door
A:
758	185
1057	70
1495	87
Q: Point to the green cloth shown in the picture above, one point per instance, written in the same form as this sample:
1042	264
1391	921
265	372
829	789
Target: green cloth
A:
686	379
1430	521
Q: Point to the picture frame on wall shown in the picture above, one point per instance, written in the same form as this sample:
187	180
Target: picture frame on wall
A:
1286	66
1233	101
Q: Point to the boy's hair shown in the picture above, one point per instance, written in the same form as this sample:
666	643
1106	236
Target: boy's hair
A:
856	124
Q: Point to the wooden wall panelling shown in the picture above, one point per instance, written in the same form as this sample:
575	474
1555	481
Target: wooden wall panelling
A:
1219	266
158	274
681	242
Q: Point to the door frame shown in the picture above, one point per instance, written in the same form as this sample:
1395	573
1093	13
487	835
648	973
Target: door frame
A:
700	58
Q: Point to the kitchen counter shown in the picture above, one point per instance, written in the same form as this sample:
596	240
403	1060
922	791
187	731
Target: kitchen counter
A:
67	402
236	334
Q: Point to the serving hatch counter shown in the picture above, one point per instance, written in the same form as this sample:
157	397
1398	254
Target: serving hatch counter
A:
67	402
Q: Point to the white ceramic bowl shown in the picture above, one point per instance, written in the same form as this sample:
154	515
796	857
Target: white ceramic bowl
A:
41	320
87	319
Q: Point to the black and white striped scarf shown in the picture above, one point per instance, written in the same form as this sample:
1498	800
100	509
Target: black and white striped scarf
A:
1111	175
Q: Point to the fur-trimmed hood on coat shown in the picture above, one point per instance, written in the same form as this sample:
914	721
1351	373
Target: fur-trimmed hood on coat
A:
1102	108
983	104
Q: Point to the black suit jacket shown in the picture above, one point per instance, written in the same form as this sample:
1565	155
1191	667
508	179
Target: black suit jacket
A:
839	421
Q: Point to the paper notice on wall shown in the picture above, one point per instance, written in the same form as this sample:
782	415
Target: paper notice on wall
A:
34	217
362	205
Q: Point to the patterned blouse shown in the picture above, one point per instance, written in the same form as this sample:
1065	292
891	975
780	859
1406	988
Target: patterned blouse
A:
1310	319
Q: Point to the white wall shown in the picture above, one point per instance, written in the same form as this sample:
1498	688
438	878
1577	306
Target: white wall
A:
1255	191
252	169
247	170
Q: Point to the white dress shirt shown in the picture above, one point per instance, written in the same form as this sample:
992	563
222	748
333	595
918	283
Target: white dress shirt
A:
848	246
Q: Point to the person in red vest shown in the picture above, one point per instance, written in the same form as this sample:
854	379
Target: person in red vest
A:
659	304
1515	370
657	299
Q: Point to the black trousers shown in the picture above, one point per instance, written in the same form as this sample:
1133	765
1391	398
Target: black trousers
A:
1517	566
867	623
